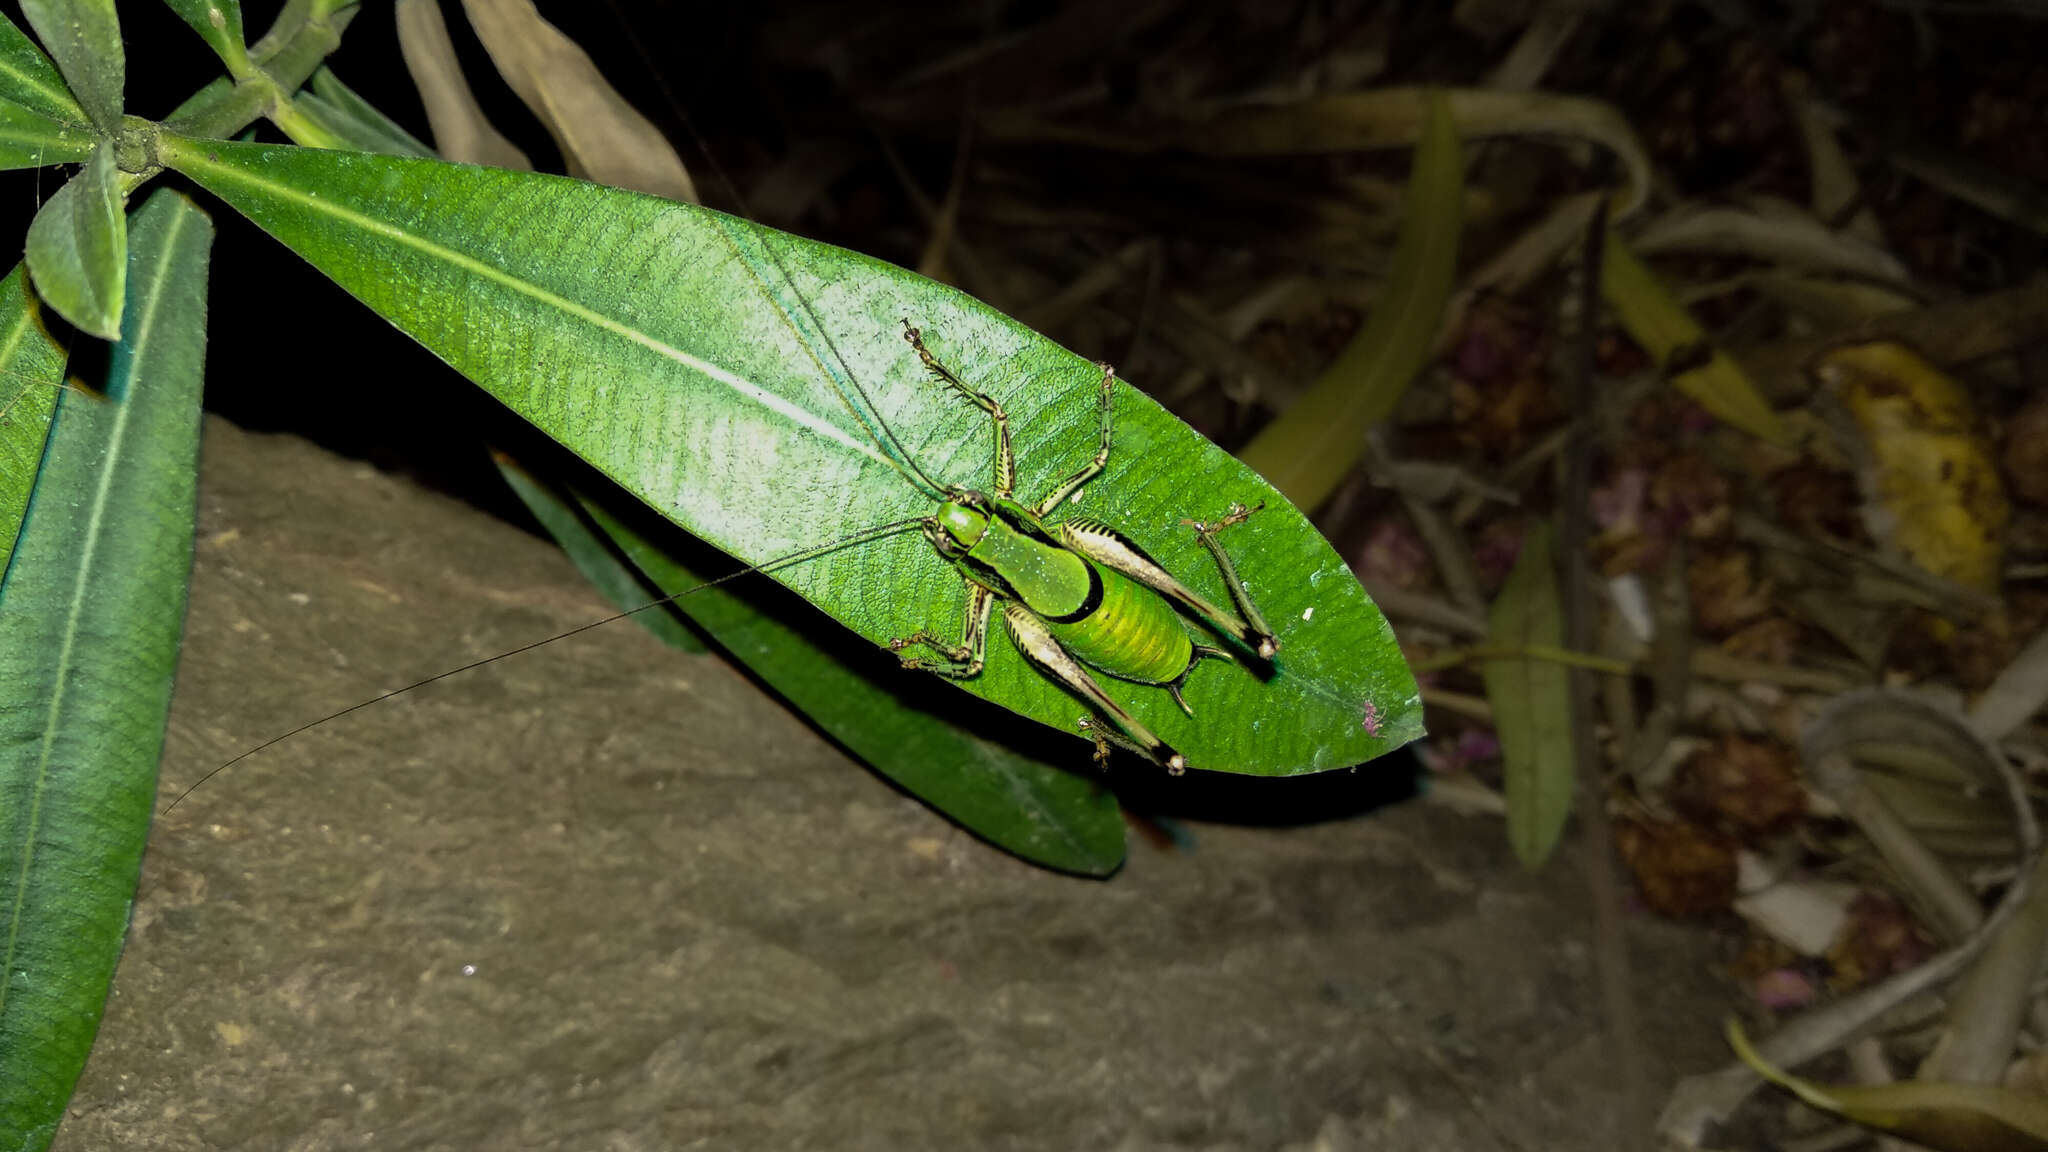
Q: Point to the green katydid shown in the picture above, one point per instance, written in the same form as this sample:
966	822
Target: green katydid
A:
1076	594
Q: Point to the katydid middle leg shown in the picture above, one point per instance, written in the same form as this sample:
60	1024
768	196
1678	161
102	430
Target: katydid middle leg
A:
962	661
1106	401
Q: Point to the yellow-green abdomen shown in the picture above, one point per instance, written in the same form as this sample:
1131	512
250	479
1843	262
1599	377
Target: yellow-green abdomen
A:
1134	634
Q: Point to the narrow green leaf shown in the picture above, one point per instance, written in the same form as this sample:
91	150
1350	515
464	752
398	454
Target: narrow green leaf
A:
594	555
31	375
685	353
40	123
336	107
1531	701
89	620
32	140
892	720
84	38
219	23
78	248
1312	446
28	79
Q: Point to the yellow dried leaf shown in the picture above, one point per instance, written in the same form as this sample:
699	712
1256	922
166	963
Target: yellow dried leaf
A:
1931	487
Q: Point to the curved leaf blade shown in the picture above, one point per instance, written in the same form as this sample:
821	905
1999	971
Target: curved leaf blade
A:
84	38
78	248
219	23
31	375
89	621
1023	805
32	140
1313	445
28	79
337	107
694	359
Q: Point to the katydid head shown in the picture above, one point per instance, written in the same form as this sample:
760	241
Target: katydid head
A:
959	523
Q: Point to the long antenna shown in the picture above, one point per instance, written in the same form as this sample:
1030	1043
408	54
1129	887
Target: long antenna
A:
848	541
871	420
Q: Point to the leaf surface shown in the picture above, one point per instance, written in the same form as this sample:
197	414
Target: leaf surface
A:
78	248
31	373
700	362
84	38
90	615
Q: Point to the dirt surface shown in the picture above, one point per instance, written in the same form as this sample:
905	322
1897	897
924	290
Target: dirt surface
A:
603	896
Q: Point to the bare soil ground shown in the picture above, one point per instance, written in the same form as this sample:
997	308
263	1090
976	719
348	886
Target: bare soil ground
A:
608	897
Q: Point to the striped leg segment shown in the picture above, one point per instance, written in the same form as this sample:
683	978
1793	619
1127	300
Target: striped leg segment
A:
1045	653
1112	549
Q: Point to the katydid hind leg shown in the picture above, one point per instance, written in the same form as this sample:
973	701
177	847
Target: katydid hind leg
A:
1045	653
1105	404
962	661
1005	479
1266	644
1112	549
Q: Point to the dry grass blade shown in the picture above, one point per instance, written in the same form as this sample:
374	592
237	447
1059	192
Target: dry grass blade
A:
1946	1116
1313	445
1670	334
461	130
602	137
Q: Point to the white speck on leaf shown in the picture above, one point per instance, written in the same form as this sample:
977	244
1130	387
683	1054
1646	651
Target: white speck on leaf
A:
1307	612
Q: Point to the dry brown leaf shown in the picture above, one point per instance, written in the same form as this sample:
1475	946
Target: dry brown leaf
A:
1683	871
602	137
461	131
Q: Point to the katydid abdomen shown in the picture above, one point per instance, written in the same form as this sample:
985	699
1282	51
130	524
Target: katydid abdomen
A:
1131	634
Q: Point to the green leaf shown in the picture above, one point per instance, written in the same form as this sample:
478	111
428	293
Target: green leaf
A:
219	23
78	248
93	605
84	38
1531	698
594	555
31	375
28	79
31	140
40	123
679	350
892	720
335	107
1313	445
